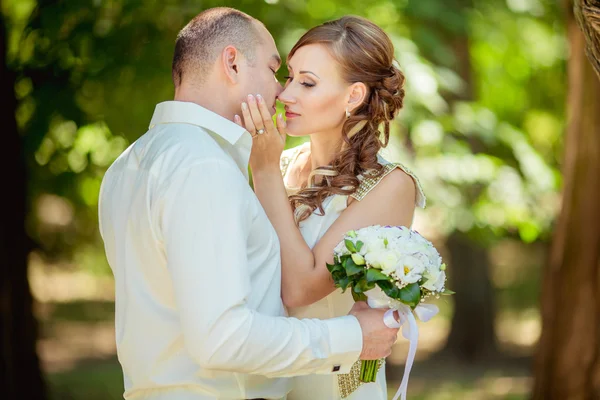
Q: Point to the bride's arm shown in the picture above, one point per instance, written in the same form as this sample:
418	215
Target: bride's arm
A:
305	278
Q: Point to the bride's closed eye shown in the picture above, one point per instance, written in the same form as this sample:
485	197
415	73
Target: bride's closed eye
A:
306	84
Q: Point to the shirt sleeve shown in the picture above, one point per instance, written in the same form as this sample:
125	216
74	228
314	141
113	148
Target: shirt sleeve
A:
205	223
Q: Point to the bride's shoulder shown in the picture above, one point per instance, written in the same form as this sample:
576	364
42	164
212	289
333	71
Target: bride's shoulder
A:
396	176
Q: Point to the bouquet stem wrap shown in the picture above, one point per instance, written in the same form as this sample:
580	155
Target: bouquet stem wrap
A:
377	299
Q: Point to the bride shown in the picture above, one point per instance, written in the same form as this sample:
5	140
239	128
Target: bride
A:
342	87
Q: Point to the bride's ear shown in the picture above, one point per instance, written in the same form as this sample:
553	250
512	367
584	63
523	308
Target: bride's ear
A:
358	92
230	61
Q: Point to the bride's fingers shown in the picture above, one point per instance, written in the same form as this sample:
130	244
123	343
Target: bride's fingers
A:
256	118
238	120
281	127
248	124
265	115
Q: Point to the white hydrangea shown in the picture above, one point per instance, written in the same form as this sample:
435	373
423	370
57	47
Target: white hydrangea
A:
400	253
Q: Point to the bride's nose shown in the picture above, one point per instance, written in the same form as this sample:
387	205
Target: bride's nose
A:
285	97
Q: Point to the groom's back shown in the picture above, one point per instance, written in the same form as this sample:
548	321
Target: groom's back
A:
130	224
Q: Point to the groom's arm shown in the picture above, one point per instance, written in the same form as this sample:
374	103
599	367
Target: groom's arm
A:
205	226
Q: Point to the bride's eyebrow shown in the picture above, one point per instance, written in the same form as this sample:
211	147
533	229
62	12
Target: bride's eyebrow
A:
309	72
303	72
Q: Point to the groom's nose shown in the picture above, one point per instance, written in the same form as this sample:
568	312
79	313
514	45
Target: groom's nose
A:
279	90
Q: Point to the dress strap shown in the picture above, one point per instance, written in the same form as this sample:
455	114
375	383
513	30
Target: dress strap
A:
367	183
287	158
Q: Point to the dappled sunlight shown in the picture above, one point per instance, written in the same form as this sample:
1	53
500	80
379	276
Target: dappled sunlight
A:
54	211
68	343
520	329
64	283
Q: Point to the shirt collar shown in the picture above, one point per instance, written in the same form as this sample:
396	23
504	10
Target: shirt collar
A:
194	114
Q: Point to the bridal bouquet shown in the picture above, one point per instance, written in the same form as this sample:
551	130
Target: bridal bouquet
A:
391	267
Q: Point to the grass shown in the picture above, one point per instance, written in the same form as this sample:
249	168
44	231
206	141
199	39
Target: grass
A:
100	380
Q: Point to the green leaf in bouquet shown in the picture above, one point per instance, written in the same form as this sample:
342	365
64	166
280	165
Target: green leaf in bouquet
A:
363	285
330	267
359	296
350	246
337	267
447	292
389	288
338	276
359	245
343	283
411	295
351	267
374	275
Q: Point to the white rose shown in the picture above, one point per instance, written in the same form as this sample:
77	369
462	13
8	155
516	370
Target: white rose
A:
389	261
410	269
373	259
435	280
376	245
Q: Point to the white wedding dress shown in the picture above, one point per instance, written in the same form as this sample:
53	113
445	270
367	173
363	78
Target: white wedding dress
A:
342	386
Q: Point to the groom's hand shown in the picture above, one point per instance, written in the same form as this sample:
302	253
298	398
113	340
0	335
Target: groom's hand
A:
378	339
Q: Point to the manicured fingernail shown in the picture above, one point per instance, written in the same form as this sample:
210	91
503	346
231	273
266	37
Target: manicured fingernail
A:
244	106
250	97
259	98
281	116
236	117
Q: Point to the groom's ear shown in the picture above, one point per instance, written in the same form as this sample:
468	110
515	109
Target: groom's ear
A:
230	63
358	92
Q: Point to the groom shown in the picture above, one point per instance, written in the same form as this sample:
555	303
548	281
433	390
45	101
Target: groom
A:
195	259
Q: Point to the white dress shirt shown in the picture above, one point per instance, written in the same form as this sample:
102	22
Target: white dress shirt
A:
198	273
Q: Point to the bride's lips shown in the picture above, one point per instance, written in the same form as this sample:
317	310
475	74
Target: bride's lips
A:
289	114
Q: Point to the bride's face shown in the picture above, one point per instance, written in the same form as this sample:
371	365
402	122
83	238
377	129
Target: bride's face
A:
315	95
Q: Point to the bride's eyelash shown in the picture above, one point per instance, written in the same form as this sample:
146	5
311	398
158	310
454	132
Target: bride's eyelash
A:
308	85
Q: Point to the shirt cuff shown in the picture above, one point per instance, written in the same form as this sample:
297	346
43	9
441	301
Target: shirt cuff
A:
345	342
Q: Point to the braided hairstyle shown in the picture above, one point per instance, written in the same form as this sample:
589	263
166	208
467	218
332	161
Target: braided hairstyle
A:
365	54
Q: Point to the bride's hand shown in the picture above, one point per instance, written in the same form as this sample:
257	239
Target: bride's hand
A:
268	140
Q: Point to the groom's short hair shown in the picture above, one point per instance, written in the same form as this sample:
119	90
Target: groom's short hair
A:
201	41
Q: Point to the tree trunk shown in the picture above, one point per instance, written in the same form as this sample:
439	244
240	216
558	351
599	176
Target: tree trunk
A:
567	364
20	375
472	336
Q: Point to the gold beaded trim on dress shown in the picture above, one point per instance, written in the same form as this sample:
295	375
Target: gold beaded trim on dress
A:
348	383
286	158
367	183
